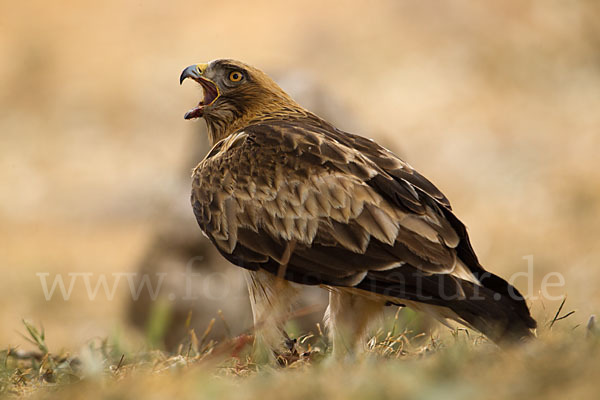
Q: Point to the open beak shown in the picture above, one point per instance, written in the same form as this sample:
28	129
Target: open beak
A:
193	71
211	90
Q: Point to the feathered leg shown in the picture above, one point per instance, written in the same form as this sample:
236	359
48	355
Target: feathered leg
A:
271	299
347	318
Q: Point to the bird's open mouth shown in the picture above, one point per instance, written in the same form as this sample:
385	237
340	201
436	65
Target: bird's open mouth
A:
211	90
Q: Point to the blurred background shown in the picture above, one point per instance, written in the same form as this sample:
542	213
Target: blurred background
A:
496	102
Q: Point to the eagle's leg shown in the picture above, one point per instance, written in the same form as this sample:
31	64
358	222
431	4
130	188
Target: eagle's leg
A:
348	318
271	299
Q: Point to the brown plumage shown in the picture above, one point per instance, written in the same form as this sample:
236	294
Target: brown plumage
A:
283	193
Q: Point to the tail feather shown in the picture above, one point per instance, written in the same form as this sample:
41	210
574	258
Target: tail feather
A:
494	308
502	314
504	318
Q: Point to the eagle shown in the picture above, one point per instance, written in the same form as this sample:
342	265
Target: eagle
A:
292	200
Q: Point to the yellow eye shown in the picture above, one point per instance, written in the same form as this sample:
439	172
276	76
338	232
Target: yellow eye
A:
235	76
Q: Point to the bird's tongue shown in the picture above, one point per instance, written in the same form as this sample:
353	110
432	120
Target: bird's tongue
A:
195	112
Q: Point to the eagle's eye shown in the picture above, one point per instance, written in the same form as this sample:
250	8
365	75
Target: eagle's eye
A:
235	76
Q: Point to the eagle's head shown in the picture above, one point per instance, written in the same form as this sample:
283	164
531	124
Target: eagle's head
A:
235	94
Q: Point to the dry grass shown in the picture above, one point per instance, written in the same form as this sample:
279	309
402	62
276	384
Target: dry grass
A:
561	363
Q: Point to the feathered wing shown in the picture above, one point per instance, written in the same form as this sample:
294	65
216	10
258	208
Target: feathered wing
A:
316	205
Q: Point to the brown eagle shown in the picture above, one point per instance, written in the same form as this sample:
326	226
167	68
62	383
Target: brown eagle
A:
291	198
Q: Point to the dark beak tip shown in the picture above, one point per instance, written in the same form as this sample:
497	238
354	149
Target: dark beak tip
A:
189	72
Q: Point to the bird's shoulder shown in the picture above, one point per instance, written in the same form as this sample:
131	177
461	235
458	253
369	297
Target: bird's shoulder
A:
309	146
272	163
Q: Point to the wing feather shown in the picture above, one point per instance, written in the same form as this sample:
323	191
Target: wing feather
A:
349	206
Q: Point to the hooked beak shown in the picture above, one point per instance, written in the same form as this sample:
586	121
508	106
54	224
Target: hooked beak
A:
211	90
193	72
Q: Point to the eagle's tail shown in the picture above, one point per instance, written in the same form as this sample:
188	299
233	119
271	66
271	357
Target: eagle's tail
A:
493	307
501	315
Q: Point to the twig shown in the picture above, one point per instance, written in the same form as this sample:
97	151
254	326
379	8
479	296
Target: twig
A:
205	334
120	362
556	317
225	324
